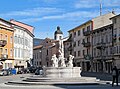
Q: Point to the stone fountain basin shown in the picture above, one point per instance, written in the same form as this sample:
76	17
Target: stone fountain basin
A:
62	72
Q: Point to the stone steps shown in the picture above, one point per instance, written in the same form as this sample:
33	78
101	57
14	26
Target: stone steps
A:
55	81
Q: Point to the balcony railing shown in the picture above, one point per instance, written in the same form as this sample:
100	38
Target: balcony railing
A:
86	44
86	33
100	45
3	43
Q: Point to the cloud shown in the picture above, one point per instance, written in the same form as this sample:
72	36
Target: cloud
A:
85	4
66	16
111	3
96	3
33	12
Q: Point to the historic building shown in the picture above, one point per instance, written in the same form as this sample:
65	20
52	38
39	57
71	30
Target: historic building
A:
42	54
81	40
47	48
6	44
102	49
80	45
23	44
116	40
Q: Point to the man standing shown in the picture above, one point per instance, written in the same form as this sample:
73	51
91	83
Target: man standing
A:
115	75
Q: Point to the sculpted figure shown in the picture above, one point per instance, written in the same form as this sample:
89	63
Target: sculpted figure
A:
54	61
62	61
70	62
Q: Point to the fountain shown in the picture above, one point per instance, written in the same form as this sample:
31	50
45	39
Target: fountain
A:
61	70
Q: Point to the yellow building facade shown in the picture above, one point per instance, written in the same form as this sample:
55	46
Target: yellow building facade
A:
6	47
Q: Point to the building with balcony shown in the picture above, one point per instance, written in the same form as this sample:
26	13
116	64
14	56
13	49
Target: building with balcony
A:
81	40
6	44
80	44
116	40
102	49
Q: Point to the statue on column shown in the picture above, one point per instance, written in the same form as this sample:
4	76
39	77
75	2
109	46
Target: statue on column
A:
54	61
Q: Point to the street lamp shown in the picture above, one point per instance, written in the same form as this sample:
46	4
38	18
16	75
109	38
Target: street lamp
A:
40	55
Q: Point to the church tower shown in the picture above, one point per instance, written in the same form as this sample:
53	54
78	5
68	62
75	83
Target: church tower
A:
58	35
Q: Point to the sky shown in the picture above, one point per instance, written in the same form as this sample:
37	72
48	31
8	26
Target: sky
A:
46	15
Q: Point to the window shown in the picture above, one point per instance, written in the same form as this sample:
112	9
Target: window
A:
11	52
74	44
15	52
83	52
79	53
79	33
6	37
88	28
47	51
6	51
83	29
79	43
1	50
75	54
74	34
60	37
11	39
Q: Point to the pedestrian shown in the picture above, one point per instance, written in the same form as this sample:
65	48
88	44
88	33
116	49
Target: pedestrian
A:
115	76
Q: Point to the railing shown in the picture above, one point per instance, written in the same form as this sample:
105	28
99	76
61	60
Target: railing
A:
86	33
100	45
86	44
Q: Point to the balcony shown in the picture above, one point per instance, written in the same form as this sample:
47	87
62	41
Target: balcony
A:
3	57
100	45
86	44
3	43
70	48
86	33
87	57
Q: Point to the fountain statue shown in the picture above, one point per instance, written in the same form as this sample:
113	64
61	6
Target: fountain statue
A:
62	61
70	62
59	68
54	61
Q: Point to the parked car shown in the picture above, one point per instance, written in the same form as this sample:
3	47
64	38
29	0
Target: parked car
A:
32	69
4	72
39	71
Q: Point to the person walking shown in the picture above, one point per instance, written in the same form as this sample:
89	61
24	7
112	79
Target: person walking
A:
115	76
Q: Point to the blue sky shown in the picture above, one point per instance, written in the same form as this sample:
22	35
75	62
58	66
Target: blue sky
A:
46	15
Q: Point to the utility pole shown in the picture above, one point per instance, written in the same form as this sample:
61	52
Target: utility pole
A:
100	7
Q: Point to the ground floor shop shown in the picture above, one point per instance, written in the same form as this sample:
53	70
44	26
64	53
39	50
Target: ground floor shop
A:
6	64
103	66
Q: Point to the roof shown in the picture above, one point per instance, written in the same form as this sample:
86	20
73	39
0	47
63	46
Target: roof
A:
115	16
38	47
80	25
28	27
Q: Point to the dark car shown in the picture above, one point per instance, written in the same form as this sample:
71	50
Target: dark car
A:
39	71
32	69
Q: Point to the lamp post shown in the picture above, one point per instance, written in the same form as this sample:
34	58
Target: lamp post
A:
40	57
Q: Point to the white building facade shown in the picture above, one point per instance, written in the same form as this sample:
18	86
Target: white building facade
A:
23	47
